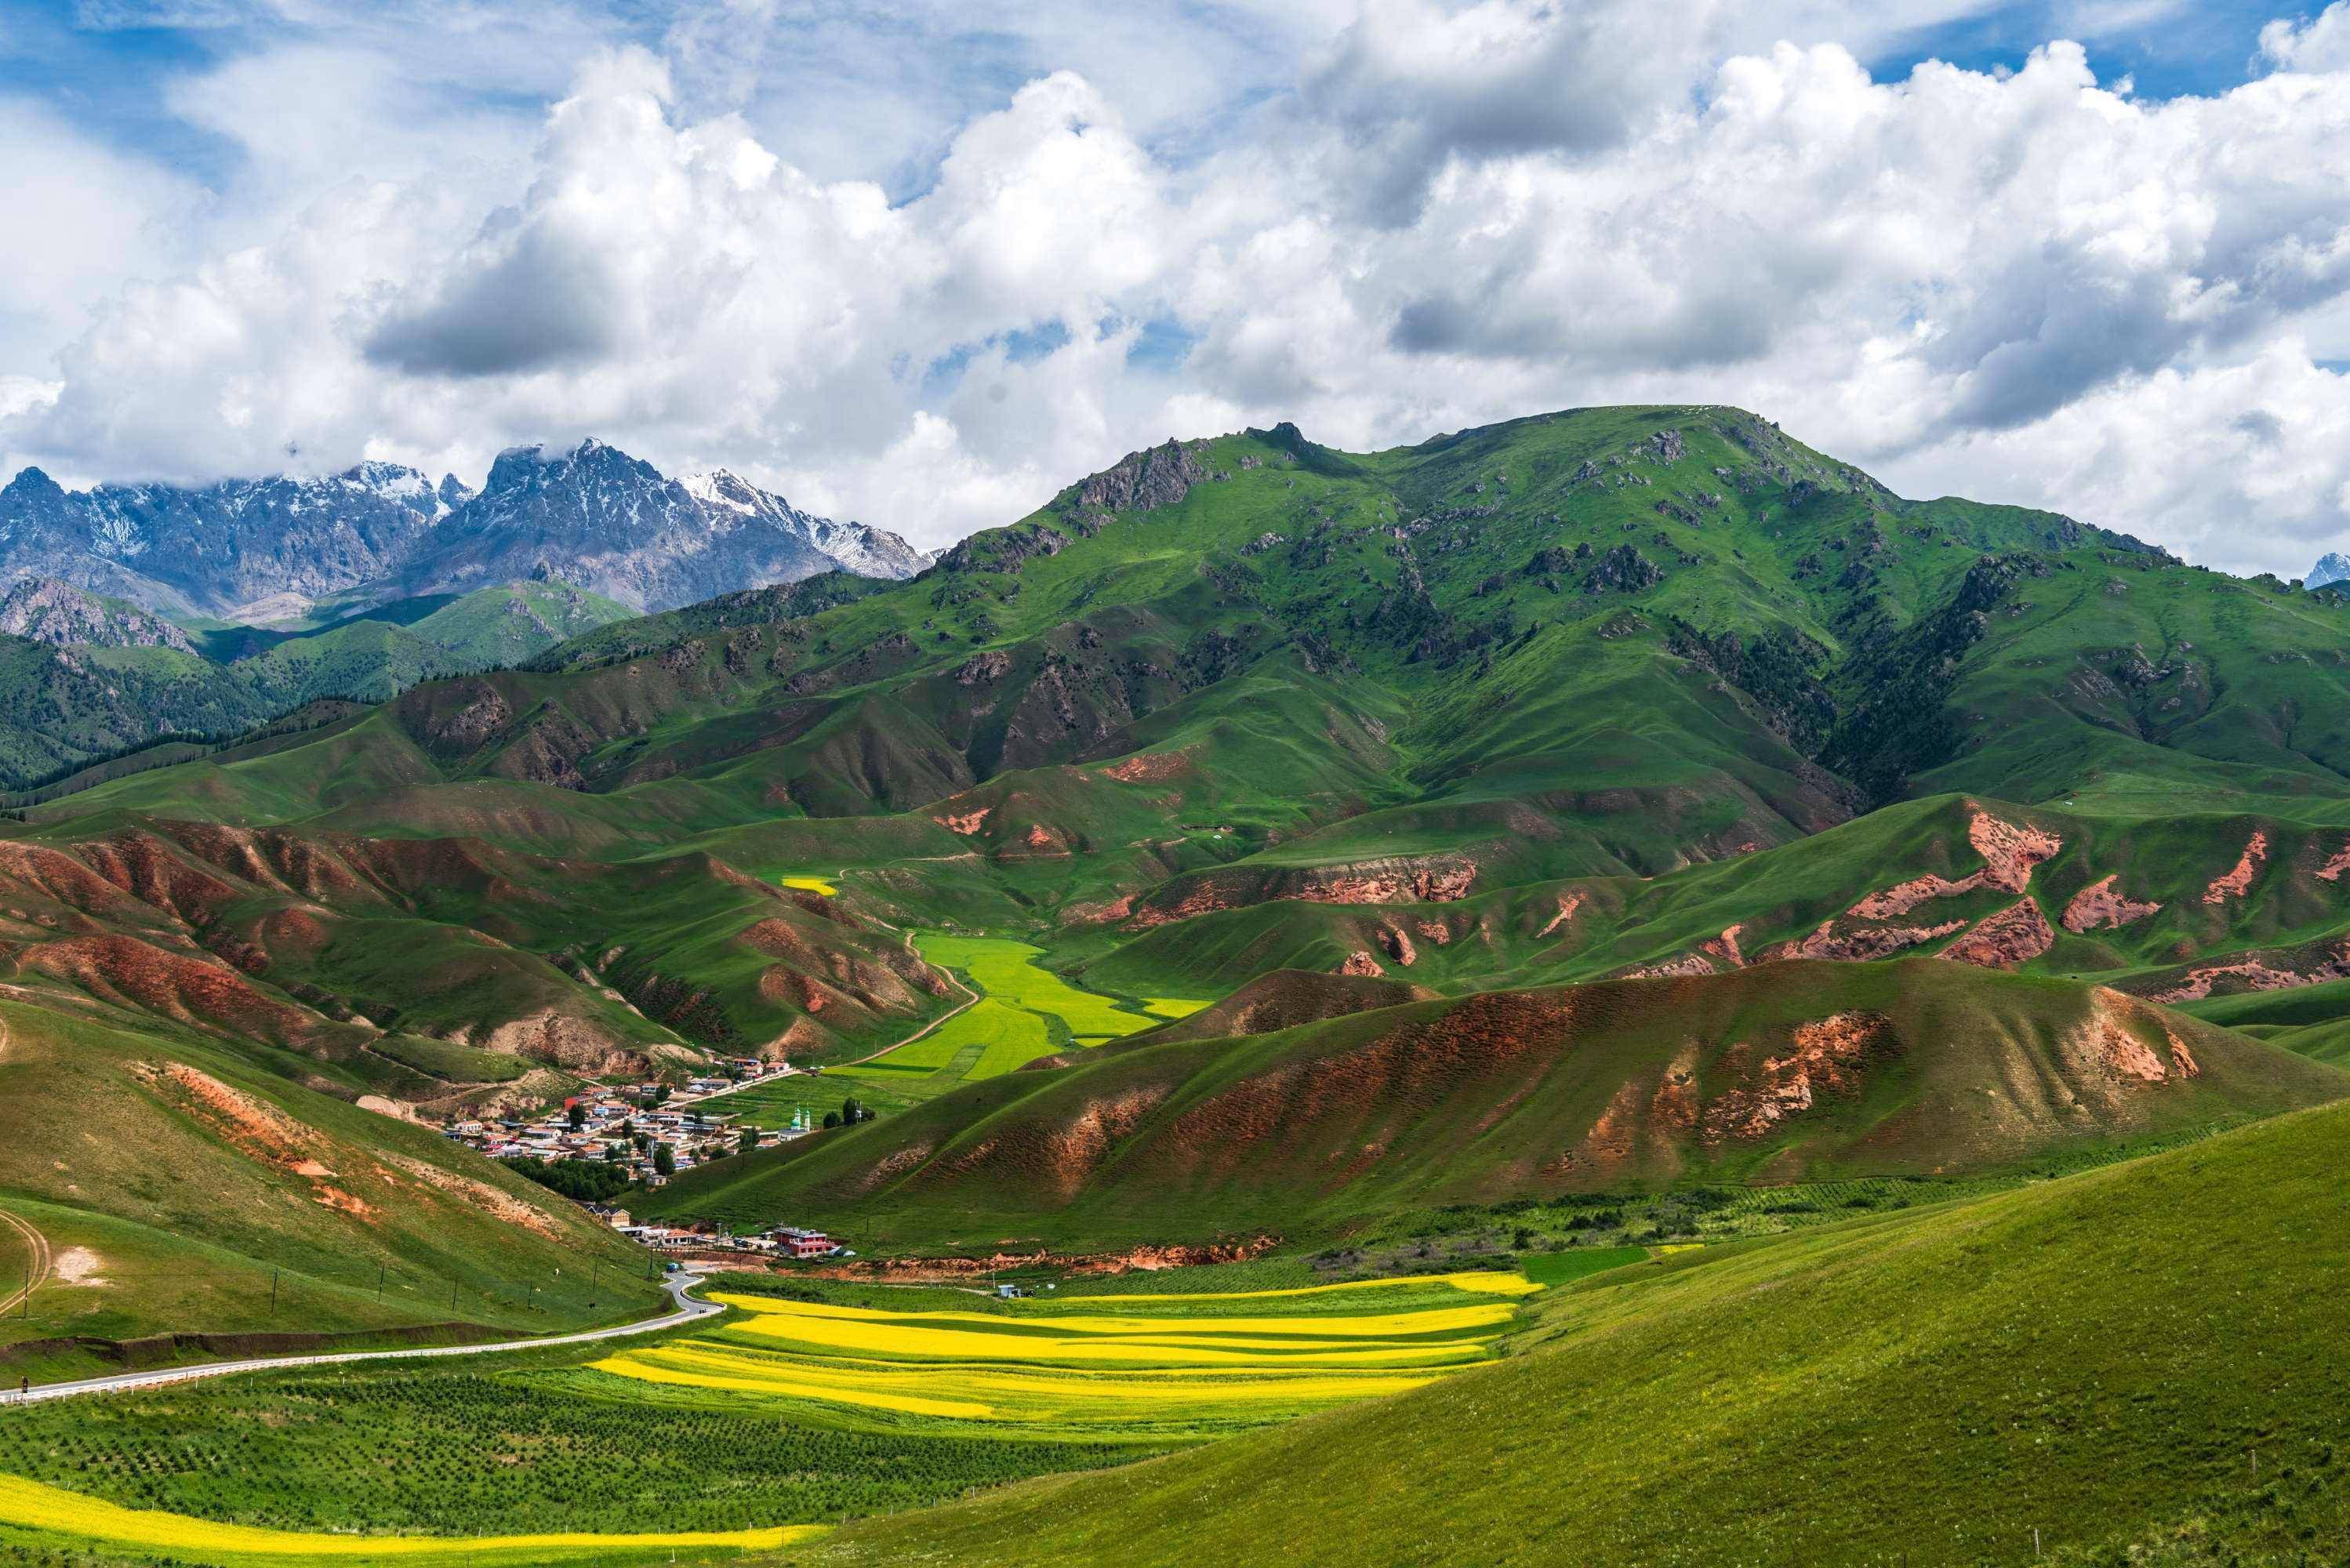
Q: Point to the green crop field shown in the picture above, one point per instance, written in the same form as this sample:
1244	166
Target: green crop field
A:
1008	972
1024	1011
537	1445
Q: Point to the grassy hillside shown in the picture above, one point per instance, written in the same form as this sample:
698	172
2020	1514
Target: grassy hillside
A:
1785	1073
2099	1359
62	706
2174	908
324	947
392	647
182	1187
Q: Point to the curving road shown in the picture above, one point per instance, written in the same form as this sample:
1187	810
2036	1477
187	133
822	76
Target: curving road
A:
688	1311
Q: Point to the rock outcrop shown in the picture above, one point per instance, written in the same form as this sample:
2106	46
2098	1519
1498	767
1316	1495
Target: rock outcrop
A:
47	610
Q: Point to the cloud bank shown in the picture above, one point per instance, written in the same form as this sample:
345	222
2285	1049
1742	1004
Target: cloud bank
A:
2025	285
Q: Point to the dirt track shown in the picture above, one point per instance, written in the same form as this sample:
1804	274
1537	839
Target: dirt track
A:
37	1247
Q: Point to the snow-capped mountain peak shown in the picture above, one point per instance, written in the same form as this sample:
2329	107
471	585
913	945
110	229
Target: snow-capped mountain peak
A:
392	480
589	514
723	490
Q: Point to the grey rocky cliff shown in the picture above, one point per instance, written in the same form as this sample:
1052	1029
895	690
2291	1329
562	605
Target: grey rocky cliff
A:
615	525
262	549
63	615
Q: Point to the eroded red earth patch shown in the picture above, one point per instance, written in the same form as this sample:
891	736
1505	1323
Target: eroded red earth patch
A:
2014	935
2236	883
2100	905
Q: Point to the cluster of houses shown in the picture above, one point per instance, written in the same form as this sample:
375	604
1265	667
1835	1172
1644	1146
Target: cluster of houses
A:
791	1242
628	1124
638	1120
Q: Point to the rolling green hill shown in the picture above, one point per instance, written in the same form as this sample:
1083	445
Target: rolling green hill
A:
1784	1073
2137	1364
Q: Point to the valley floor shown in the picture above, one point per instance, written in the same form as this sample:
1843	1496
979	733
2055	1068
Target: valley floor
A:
802	1405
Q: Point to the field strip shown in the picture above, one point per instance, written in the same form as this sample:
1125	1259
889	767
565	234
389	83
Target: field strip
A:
28	1502
38	1257
1166	1350
689	1310
1477	1282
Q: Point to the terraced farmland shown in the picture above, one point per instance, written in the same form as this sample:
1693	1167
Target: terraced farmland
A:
1158	1367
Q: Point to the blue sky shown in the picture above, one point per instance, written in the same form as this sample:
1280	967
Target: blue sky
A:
2167	49
108	64
911	266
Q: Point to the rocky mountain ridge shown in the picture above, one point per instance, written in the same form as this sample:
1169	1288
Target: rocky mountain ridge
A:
277	548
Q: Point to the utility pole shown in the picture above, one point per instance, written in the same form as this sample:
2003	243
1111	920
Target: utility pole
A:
379	1281
595	1280
452	1296
273	1292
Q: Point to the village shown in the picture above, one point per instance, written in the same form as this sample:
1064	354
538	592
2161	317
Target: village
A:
644	1134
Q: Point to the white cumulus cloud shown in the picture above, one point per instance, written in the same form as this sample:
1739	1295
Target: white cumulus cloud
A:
2026	286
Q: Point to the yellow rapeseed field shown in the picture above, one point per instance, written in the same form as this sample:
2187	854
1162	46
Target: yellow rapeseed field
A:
1320	1327
745	1374
26	1503
1064	1396
1163	1349
1150	1364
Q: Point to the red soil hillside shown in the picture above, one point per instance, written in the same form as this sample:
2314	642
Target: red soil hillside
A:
1777	1073
327	942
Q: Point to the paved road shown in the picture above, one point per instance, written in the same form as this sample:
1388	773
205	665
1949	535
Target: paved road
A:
688	1311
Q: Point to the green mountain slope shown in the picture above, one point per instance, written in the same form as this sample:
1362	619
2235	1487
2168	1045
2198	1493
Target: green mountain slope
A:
324	949
60	707
2134	1365
392	647
1604	643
